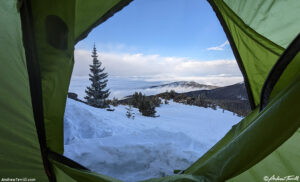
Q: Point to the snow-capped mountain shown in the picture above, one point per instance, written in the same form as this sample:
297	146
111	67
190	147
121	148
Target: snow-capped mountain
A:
185	84
178	86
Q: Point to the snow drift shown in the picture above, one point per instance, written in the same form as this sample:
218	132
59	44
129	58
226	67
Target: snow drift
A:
131	150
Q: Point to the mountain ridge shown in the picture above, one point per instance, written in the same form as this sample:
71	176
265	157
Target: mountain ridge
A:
191	84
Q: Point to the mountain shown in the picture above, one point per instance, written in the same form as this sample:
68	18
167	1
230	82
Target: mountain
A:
232	98
231	92
184	84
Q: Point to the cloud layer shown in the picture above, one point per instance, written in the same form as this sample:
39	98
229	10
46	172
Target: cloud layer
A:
156	67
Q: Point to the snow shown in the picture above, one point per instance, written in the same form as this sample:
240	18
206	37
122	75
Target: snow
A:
131	150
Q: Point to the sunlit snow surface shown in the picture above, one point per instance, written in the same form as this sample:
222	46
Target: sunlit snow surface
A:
131	150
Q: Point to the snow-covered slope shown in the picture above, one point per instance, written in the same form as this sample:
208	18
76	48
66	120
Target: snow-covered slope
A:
179	87
132	150
186	84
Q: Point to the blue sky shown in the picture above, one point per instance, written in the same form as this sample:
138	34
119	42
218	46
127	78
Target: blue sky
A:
162	40
177	28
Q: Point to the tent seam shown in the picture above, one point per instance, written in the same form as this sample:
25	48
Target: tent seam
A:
277	70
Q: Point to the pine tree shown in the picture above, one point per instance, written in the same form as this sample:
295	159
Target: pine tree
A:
129	112
147	108
96	93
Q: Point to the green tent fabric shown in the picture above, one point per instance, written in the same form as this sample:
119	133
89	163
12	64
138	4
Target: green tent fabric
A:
81	175
284	161
260	33
63	23
266	18
37	40
20	153
56	62
268	32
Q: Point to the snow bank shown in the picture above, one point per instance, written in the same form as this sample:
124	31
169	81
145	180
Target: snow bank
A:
132	150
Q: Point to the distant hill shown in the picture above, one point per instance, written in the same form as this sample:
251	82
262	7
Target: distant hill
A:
233	98
231	92
186	84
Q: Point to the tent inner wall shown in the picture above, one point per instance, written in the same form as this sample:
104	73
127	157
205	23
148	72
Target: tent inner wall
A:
20	153
54	35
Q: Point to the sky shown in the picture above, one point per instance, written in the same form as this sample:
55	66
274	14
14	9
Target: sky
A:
179	39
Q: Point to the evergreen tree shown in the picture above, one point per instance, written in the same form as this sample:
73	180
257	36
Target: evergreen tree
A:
129	112
147	108
96	93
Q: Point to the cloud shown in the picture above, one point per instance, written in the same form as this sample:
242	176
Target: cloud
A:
218	48
157	67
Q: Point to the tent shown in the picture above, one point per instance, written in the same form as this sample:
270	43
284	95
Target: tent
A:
37	41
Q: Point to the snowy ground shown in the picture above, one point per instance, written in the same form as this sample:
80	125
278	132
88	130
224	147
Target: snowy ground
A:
132	150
